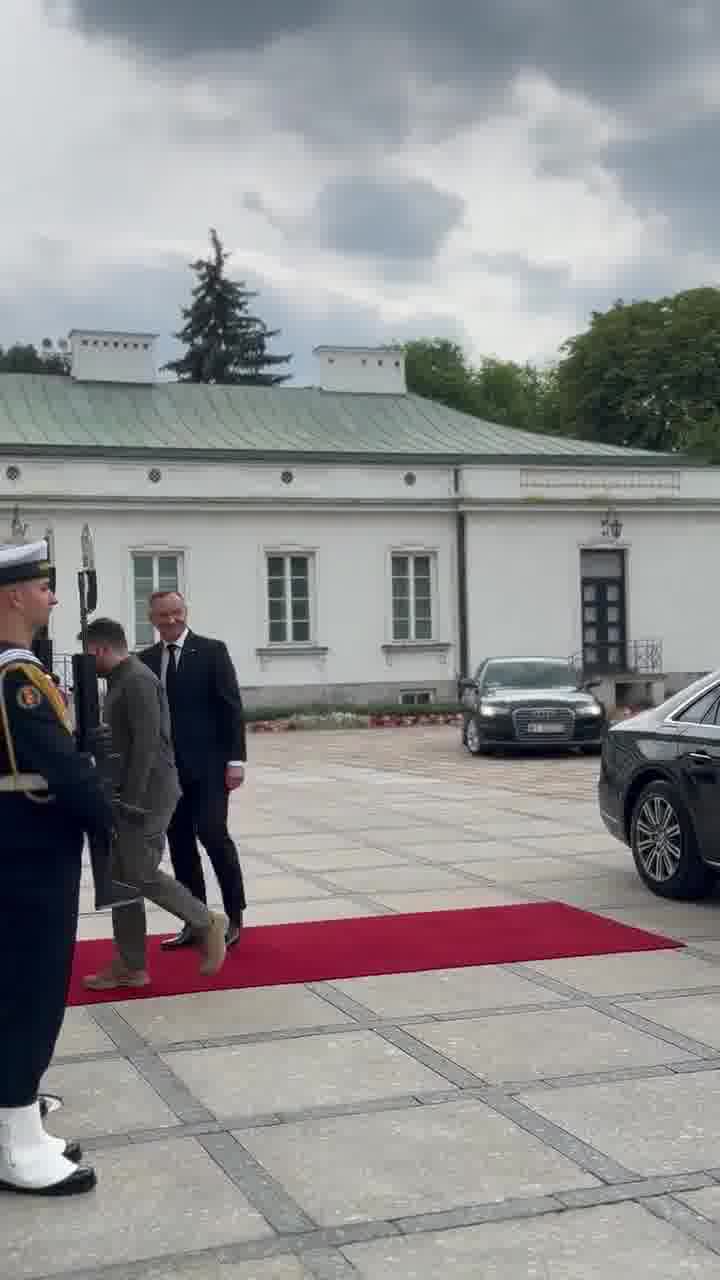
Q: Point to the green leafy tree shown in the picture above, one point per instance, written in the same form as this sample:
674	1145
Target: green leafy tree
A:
224	342
497	390
25	358
647	375
438	370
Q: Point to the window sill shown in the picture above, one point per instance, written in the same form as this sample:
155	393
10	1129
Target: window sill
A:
292	650
417	646
398	649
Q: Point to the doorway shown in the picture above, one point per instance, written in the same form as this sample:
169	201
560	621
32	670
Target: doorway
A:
604	614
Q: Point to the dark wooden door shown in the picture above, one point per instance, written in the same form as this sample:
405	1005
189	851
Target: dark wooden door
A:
604	625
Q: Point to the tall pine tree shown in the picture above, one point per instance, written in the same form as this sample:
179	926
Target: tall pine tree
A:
224	342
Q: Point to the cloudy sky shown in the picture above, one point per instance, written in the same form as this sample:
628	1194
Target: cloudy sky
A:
491	170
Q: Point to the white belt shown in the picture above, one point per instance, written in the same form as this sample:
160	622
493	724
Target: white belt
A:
23	782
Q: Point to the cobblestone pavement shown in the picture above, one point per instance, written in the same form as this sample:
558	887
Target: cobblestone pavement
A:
555	1120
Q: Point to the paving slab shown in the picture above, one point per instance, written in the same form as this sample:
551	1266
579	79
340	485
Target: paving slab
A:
657	1126
706	1202
581	842
105	1097
557	1042
633	974
208	1268
480	895
213	1014
281	887
160	1198
472	850
410	1161
532	869
442	991
595	893
311	1071
590	1244
315	908
81	1035
397	879
681	920
693	1016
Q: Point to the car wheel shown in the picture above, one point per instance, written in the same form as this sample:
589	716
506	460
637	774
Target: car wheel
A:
664	845
473	737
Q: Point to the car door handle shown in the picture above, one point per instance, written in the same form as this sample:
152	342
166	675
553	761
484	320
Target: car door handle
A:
700	757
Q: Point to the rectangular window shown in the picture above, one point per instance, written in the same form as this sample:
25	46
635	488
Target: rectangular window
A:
412	596
417	697
288	595
152	571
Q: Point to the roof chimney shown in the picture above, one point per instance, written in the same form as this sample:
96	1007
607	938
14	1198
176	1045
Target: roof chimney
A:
371	370
100	355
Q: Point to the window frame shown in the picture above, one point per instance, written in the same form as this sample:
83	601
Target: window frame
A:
155	553
287	554
411	554
417	697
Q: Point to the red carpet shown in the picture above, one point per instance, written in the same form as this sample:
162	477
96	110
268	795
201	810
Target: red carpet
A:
270	955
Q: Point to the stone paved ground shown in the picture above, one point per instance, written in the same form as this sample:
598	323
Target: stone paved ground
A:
555	1120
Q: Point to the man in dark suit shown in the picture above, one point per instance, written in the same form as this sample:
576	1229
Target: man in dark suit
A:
208	729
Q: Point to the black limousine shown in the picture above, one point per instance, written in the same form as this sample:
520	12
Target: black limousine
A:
659	790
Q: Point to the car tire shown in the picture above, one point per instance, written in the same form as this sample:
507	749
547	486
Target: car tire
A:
472	737
664	845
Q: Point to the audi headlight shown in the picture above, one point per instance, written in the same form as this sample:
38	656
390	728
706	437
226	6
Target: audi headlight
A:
490	709
594	710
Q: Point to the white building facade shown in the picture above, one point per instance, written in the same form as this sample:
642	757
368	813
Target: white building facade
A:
359	546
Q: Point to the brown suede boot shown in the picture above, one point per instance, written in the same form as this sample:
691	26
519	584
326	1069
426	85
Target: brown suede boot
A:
116	975
212	944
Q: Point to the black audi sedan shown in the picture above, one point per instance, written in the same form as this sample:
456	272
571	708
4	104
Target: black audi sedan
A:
659	790
530	703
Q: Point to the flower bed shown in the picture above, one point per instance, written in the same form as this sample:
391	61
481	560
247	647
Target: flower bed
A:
350	718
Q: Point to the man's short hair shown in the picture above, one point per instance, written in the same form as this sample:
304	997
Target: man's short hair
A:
162	595
107	632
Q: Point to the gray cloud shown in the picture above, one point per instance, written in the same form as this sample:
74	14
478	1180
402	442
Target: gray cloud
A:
354	81
611	50
176	28
675	173
401	219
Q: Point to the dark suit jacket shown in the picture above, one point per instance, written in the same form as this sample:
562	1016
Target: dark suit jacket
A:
208	720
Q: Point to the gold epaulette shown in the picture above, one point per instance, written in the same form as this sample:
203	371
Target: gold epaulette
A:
15	781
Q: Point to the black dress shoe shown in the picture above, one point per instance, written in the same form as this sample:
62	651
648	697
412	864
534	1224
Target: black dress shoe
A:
78	1182
232	937
73	1152
185	938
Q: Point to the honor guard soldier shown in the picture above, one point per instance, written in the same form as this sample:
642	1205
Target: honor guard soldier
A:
50	796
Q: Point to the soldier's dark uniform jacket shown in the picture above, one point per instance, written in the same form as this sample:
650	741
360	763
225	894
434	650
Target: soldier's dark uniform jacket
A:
49	797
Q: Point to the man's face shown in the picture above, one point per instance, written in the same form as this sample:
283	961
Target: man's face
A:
169	617
103	657
36	602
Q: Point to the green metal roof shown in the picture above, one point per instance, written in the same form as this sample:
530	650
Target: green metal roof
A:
45	414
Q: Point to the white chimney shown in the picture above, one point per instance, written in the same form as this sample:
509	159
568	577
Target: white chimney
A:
102	356
372	370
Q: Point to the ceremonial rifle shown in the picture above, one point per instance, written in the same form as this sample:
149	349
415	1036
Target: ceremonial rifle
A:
92	736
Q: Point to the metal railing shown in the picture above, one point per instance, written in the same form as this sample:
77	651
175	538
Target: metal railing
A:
636	657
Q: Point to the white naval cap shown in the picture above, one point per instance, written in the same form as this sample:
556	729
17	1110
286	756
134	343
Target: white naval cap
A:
23	562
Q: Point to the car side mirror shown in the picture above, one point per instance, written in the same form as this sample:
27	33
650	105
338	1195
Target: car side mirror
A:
590	685
466	685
